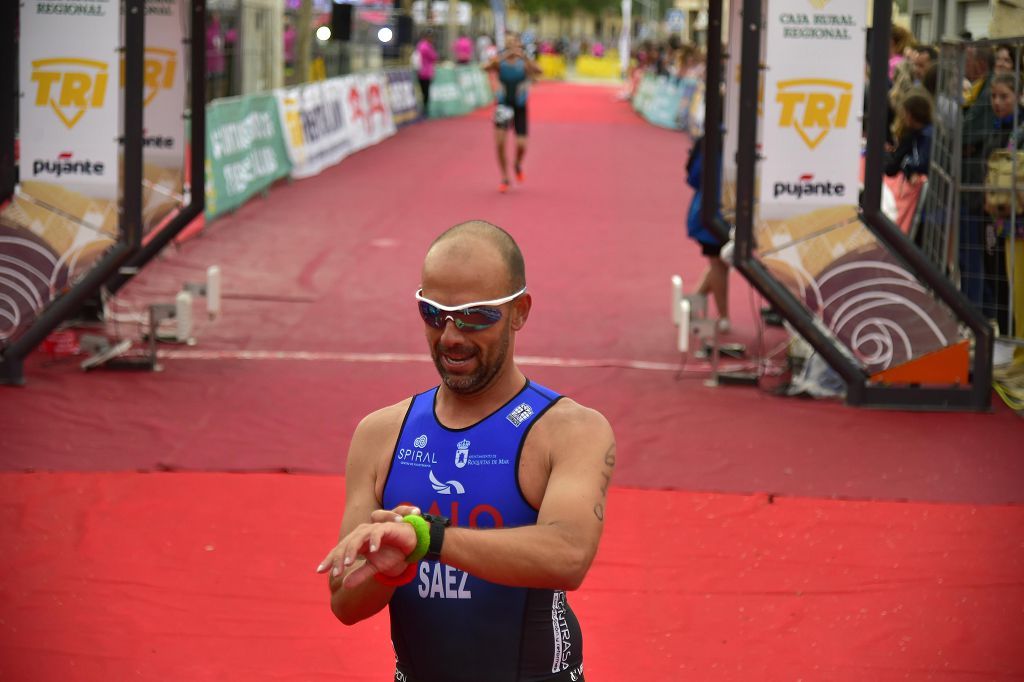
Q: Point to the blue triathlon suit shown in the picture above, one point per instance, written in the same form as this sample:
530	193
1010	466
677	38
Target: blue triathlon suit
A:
448	625
514	82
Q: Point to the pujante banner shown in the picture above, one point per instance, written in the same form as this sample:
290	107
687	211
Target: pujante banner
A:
812	105
68	114
316	131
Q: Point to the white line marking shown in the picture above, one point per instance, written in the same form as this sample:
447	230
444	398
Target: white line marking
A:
525	360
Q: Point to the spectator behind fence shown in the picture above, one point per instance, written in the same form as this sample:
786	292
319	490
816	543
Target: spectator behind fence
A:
715	280
1003	62
978	124
1007	132
930	80
908	160
1007	211
216	64
903	77
914	132
927	57
899	40
463	49
424	59
978	66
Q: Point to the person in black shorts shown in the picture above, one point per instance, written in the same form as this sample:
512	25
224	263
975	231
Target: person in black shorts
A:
514	70
716	278
472	508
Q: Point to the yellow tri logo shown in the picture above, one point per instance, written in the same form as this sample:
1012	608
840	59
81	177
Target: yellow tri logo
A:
814	106
70	86
293	122
159	67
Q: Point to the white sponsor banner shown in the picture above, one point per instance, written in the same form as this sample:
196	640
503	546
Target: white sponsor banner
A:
367	110
731	109
69	71
164	78
813	105
316	129
439	12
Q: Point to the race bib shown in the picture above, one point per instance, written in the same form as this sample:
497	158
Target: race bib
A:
503	114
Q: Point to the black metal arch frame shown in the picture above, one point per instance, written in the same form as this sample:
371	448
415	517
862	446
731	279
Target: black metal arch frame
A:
860	391
128	254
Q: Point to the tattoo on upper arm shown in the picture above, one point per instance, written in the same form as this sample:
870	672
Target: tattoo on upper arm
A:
606	474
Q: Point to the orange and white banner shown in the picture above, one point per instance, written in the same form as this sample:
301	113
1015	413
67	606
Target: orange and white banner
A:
69	75
813	105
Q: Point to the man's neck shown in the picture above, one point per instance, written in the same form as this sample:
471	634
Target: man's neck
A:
459	410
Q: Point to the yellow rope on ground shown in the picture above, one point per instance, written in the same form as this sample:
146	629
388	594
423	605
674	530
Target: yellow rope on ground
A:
1008	382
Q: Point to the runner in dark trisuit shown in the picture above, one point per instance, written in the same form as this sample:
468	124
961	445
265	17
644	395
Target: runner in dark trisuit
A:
471	508
515	70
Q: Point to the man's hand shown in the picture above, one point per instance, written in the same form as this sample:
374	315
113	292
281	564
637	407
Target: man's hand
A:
396	514
384	546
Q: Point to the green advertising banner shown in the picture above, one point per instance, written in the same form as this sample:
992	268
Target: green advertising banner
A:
464	76
245	150
483	86
458	90
645	93
663	107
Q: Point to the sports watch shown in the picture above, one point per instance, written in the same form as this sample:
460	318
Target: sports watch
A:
437	525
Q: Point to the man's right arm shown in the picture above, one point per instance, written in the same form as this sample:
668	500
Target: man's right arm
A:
375	434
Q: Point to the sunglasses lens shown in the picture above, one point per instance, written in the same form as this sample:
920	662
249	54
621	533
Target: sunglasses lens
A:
431	315
468	319
477	318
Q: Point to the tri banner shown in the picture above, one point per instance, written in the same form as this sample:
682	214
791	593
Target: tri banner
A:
811	139
69	110
63	216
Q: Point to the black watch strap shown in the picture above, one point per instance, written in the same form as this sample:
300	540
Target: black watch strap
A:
437	526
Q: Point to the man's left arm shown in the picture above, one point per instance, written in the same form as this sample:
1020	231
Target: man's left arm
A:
556	552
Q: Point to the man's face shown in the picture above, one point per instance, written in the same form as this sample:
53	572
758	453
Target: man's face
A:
468	361
921	63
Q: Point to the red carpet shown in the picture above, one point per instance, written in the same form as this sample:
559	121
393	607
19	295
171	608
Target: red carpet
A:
329	264
294	415
210	577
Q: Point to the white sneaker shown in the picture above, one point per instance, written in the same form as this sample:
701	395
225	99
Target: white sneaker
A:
723	325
